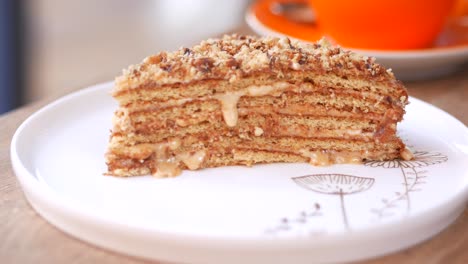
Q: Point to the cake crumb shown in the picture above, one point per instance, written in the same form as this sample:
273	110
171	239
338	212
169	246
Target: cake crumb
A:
258	131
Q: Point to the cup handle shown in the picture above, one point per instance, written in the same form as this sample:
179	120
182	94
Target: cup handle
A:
284	16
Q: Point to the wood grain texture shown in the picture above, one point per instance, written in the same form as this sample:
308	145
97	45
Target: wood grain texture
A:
25	237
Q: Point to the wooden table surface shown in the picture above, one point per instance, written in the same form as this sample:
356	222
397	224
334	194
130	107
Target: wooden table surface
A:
25	237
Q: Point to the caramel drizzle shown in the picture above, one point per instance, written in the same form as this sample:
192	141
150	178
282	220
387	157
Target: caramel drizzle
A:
330	157
229	100
229	107
165	162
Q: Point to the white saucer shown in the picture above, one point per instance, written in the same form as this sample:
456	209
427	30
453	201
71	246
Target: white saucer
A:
277	213
407	65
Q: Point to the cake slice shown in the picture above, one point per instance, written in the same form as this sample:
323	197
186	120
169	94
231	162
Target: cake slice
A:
242	100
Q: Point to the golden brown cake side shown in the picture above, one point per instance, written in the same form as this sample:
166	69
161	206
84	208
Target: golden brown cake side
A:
243	100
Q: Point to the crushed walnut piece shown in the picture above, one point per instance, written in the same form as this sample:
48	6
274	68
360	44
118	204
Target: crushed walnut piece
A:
237	55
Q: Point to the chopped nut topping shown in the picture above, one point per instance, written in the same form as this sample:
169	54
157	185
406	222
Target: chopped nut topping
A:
233	63
204	64
187	52
246	55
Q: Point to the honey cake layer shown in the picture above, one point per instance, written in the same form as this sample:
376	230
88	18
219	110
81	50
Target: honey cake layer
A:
258	125
346	102
246	100
210	88
122	166
310	105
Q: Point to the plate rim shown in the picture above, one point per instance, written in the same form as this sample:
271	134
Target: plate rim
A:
46	201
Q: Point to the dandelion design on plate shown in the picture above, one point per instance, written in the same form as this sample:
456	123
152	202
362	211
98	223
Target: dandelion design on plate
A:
288	223
413	178
335	184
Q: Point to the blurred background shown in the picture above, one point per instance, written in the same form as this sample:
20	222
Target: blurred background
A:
52	47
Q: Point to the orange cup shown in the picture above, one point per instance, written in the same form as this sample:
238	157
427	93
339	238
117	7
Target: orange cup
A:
372	24
389	24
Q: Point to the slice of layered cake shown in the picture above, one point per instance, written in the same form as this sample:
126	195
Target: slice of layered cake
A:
246	100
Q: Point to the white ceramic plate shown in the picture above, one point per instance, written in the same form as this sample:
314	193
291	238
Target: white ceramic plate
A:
407	65
277	213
